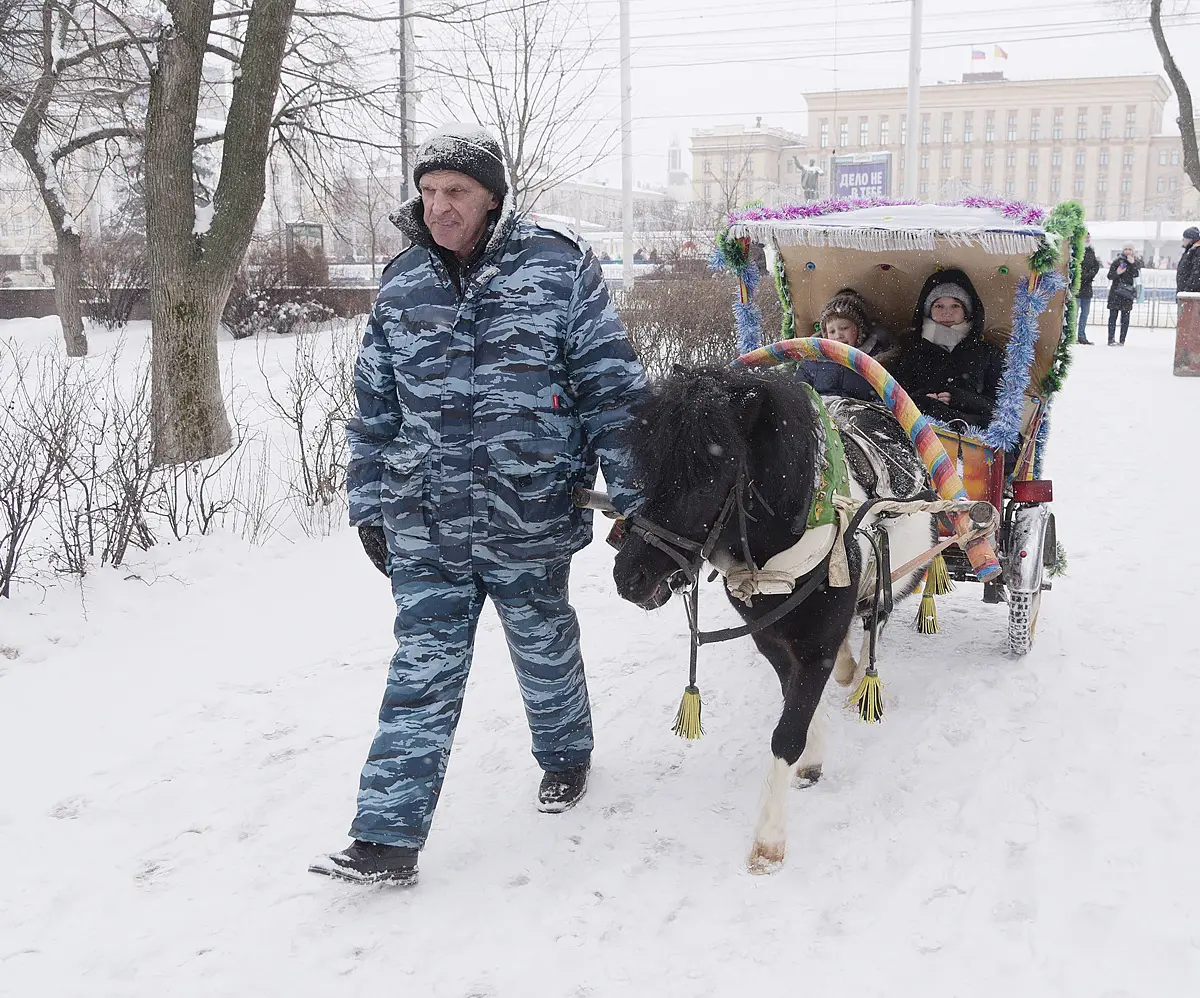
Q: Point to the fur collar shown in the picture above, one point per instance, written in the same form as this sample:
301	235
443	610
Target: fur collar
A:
409	218
946	337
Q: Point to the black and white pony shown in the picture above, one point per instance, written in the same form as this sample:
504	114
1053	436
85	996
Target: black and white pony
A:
707	441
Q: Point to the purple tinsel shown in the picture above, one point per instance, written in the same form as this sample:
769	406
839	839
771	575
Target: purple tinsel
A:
1021	211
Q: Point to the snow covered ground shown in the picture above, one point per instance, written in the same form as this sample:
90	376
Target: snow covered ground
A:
178	738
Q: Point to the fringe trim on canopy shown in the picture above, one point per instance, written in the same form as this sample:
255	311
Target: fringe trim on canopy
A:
881	240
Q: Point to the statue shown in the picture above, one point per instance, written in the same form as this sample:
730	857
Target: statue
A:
809	177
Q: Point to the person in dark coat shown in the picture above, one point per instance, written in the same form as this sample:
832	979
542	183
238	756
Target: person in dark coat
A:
1122	293
1089	269
1187	274
950	370
844	319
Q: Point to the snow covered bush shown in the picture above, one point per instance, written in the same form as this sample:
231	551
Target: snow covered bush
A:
114	276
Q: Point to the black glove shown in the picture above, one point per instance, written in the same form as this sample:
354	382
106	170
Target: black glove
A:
374	542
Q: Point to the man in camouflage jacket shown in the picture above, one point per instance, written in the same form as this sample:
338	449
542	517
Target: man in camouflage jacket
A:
494	376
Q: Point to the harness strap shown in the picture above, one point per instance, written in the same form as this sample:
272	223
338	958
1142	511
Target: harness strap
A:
769	618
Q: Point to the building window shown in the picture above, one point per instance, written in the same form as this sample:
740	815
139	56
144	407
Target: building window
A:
968	127
727	166
1162	157
1079	187
1056	131
1124	209
1174	157
1081	126
843	133
864	132
924	187
989	127
1035	125
1104	158
966	159
707	168
1162	185
708	192
1033	157
1056	158
1080	159
1127	185
1011	133
1127	159
1101	209
1130	122
1031	190
947	128
1055	186
750	166
1173	184
884	130
989	158
924	161
904	129
1010	158
1106	123
946	160
1010	187
924	129
1102	185
824	133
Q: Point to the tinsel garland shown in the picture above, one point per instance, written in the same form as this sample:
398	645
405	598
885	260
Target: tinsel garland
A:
1004	431
1067	222
787	325
1019	211
734	255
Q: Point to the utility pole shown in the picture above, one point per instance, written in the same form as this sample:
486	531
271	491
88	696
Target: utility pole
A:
913	127
626	155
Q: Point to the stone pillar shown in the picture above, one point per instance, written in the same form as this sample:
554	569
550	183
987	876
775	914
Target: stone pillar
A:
1187	335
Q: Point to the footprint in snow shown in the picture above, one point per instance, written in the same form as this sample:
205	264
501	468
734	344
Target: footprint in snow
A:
69	808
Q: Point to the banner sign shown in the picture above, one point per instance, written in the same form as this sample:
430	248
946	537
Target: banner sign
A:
862	176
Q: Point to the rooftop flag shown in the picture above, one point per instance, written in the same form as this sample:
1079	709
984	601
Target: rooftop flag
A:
978	54
999	53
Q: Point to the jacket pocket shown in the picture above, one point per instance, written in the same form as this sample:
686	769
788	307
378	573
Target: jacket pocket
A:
529	487
405	459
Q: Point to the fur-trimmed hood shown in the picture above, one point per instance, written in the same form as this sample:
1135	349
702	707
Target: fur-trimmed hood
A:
409	218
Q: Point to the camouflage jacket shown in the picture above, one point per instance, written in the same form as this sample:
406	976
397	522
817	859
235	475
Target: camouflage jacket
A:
480	410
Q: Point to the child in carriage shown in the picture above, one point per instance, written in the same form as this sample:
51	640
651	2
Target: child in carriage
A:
844	319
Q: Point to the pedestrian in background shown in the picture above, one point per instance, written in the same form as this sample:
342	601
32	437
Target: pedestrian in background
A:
1187	274
1090	268
1122	272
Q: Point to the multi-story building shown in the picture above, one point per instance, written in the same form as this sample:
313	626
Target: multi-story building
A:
733	164
1098	140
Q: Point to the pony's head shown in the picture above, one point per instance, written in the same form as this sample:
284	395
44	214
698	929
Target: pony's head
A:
689	438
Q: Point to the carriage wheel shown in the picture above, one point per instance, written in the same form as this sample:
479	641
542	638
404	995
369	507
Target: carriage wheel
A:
1022	620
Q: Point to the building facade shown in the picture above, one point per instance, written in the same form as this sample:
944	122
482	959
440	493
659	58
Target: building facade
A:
734	164
1097	140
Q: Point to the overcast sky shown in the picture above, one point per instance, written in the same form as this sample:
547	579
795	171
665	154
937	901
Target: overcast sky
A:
700	63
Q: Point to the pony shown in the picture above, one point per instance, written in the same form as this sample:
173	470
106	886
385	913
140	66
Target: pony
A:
729	460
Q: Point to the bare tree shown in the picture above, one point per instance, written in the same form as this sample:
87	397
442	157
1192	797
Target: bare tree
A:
358	201
1187	114
528	70
73	72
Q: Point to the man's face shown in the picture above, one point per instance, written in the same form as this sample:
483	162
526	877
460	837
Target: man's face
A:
456	209
948	311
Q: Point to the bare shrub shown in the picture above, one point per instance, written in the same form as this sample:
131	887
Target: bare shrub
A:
39	428
272	296
115	276
314	405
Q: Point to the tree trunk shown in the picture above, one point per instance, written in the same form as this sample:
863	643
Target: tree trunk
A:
68	267
187	409
1187	118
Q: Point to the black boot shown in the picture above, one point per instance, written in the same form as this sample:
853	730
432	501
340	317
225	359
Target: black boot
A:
370	863
560	791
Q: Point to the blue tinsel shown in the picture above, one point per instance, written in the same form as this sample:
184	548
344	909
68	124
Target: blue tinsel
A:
1005	428
749	326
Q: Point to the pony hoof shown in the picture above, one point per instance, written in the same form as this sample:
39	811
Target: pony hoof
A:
766	857
806	777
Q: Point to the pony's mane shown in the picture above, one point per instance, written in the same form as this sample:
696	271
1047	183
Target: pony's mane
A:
692	423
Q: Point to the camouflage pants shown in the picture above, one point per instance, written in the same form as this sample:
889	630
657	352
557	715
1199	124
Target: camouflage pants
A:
436	614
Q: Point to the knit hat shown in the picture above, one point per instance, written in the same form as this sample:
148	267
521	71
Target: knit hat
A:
846	305
465	149
1192	233
948	290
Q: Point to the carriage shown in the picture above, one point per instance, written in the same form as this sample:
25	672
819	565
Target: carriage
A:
1024	263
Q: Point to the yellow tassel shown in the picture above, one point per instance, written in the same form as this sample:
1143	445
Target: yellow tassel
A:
687	720
927	622
868	698
940	576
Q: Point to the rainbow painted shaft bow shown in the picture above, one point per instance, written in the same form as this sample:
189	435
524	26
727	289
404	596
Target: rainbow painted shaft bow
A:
920	431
